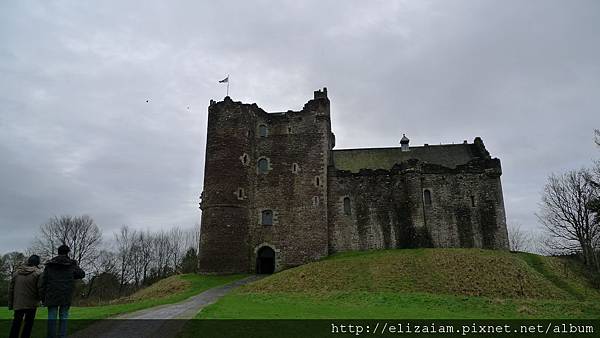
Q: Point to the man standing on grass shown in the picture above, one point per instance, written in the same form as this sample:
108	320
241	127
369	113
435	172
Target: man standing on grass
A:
56	289
23	296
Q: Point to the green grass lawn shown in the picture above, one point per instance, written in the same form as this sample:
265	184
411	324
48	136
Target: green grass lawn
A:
197	284
193	284
375	305
417	284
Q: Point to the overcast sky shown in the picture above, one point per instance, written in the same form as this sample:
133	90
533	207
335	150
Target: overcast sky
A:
78	137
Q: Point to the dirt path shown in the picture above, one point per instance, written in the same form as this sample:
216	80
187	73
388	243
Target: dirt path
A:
162	321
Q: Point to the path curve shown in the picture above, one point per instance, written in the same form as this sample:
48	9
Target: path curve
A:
159	321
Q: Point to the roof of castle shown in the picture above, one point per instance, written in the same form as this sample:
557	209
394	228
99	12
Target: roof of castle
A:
448	155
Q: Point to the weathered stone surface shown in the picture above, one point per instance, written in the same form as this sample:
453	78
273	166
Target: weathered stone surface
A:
306	182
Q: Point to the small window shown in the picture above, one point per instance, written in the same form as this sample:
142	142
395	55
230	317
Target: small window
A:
245	159
289	130
262	130
317	181
295	168
472	201
266	217
263	166
240	193
427	196
347	206
316	201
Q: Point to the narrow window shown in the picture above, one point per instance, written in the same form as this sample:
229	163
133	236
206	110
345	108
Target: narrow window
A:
240	193
295	168
347	206
263	166
427	196
472	201
316	201
245	159
266	217
262	130
317	181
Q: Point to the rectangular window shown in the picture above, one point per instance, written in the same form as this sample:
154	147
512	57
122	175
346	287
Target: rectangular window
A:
427	197
263	166
262	130
266	217
347	206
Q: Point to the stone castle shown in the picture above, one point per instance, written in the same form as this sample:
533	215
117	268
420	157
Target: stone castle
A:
277	194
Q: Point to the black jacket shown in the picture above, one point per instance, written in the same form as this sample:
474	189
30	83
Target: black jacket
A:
58	281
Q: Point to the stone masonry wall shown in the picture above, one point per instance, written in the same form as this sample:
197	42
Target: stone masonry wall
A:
306	193
388	209
296	146
225	214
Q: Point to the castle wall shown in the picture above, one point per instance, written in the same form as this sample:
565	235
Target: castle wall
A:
388	208
296	147
225	213
304	183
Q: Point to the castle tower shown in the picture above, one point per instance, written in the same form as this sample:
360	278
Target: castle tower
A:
264	204
225	211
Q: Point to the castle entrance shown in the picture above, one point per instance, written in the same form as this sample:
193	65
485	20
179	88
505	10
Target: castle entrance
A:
265	260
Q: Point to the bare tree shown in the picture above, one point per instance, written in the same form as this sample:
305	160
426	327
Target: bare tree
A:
124	242
81	234
105	263
192	237
139	258
3	268
162	252
566	215
144	256
146	252
11	262
176	242
519	239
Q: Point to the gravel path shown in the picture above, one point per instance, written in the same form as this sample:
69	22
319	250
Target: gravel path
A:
159	321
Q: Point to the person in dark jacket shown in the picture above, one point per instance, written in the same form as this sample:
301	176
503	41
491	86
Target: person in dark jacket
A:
57	285
23	296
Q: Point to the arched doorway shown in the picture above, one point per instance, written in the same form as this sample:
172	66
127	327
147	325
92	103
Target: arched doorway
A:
265	260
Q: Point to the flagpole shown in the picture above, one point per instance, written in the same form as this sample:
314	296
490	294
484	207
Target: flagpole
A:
227	84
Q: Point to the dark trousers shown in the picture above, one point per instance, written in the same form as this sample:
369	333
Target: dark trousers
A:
29	315
63	314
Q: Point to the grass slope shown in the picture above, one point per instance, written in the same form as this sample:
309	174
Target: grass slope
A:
167	291
418	283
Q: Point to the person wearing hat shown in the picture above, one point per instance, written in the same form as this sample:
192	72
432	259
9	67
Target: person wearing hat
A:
57	285
23	296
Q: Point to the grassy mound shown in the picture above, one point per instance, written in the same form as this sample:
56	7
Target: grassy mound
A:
459	272
163	288
418	284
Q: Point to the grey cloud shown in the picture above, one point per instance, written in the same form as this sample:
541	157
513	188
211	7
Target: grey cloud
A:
76	135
